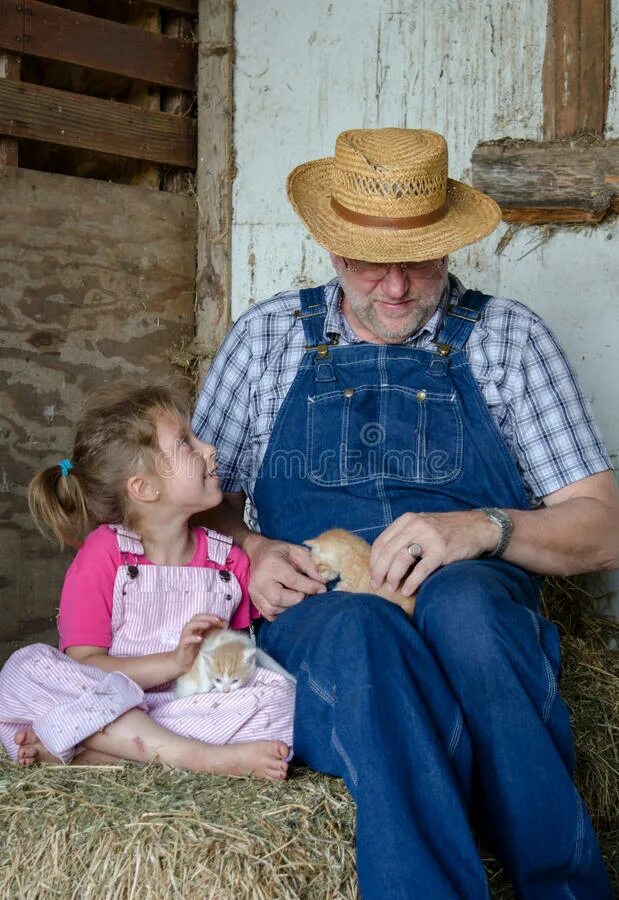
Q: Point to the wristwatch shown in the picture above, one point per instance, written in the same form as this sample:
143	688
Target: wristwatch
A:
500	518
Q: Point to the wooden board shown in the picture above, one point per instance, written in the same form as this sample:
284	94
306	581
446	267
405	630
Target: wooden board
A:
10	67
72	120
571	181
214	175
576	73
97	282
38	29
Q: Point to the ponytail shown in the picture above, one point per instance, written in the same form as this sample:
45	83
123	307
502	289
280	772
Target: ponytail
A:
116	436
58	505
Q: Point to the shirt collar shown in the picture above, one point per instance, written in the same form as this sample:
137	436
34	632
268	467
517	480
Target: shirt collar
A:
336	324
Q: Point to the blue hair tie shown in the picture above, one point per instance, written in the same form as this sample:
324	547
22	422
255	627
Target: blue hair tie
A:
65	466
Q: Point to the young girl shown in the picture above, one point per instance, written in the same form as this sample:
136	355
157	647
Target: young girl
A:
140	595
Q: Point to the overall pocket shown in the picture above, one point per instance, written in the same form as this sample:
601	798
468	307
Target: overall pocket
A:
405	434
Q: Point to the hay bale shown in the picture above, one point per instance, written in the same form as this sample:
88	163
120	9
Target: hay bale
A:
145	833
123	831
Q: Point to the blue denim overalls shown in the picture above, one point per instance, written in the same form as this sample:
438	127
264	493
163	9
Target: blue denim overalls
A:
459	715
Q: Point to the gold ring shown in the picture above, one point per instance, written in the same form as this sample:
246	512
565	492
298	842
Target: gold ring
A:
414	550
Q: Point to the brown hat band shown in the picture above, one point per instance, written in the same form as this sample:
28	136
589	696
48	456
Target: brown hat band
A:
388	221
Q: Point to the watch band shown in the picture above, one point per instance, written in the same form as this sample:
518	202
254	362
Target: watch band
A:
500	518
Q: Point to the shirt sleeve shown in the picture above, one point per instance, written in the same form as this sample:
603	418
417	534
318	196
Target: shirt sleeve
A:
556	437
222	413
85	616
238	562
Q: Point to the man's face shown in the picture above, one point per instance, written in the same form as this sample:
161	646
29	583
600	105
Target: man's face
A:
386	304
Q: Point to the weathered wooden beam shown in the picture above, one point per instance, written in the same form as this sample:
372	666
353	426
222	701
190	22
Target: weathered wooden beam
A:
10	67
215	172
72	120
566	181
576	73
38	29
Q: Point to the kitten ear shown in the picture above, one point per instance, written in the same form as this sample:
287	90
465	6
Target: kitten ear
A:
249	655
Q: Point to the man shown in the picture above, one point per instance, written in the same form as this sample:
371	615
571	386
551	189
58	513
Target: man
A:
445	427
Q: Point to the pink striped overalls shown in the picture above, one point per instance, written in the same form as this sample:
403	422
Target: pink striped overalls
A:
65	701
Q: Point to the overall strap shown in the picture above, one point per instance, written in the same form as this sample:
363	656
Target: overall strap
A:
129	544
460	321
217	547
312	313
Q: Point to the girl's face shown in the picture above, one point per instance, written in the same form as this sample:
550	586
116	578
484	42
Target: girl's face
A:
186	467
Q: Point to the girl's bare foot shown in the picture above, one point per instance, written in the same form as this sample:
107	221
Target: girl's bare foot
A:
31	750
262	759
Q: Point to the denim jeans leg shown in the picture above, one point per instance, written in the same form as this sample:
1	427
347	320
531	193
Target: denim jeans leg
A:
374	708
501	659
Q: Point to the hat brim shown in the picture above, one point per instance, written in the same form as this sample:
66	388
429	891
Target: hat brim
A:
471	216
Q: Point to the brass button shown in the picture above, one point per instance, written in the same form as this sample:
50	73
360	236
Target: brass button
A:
421	395
323	350
348	392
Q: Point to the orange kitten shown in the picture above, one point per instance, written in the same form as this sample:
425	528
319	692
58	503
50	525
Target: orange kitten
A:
225	662
339	553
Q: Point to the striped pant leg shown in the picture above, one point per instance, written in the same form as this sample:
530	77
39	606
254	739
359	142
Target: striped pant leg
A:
62	700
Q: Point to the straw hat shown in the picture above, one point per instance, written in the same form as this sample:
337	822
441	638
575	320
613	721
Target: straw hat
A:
386	197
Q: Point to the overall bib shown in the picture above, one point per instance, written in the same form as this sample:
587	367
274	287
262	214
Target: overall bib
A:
457	714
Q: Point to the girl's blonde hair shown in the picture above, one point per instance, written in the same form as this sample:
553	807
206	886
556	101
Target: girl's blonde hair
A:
116	437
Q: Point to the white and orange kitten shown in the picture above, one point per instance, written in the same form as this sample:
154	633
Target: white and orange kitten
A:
225	662
346	556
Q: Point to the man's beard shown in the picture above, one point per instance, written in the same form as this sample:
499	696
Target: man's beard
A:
365	310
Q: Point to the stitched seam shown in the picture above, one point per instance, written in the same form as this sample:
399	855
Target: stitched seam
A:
345	758
455	737
316	688
551	683
568	891
578	846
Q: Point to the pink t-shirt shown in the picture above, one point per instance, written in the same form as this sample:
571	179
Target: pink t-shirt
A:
85	615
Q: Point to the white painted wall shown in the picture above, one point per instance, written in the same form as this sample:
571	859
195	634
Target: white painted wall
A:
470	69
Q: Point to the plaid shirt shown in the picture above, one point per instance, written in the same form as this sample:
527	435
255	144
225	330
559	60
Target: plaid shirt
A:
530	389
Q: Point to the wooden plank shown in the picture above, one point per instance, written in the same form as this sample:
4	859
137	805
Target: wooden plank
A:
72	120
214	174
576	71
98	283
10	67
37	29
565	181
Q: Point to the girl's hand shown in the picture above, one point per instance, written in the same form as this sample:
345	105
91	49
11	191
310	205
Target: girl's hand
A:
191	637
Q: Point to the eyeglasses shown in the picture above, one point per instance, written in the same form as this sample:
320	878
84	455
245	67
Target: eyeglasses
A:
372	271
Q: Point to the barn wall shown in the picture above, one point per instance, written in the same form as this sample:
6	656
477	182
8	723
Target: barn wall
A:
471	69
97	282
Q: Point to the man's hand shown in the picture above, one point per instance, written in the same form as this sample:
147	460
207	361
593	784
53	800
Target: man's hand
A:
281	575
440	538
